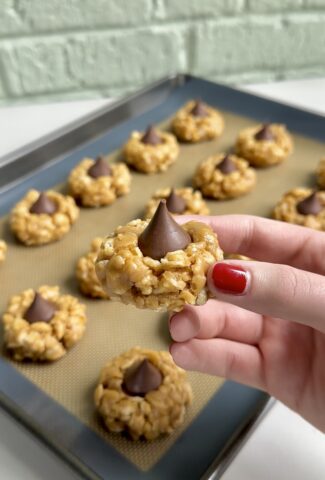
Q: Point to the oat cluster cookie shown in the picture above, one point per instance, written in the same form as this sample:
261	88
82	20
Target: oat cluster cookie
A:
3	251
224	176
156	264
94	183
42	326
302	206
320	173
264	145
180	201
197	122
152	151
41	218
86	274
158	400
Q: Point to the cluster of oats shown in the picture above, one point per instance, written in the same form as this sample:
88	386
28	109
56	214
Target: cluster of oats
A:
43	341
195	205
159	412
39	229
101	191
215	184
286	209
86	274
320	173
151	158
3	251
191	128
262	153
179	278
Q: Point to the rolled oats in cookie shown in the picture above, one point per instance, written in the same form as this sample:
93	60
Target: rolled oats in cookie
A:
320	173
264	145
3	251
94	183
224	176
302	206
197	122
179	201
142	393
42	325
86	274
41	218
157	264
152	151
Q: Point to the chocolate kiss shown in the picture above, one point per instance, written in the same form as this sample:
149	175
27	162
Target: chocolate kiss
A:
43	205
226	165
99	168
40	310
162	235
175	203
199	109
310	205
151	136
141	378
265	133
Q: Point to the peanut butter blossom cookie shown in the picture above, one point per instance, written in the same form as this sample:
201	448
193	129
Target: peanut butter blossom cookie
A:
197	122
94	183
224	176
264	145
142	393
45	217
302	206
152	151
3	251
179	201
43	325
158	264
320	173
86	274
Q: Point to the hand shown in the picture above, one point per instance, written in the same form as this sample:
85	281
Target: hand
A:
267	326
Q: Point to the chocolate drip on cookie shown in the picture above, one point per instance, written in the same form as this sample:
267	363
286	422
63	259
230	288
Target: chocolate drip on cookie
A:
40	310
265	133
162	235
199	109
175	203
151	136
226	165
43	205
99	168
310	205
141	378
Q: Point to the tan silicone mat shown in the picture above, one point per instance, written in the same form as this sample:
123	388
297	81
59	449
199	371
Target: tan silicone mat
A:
112	327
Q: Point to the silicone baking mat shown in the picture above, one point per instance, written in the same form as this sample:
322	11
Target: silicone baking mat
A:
113	327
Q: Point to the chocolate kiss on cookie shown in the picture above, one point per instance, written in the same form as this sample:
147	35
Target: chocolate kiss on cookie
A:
162	235
151	136
43	205
199	109
40	310
175	203
141	378
226	165
265	133
99	168
310	205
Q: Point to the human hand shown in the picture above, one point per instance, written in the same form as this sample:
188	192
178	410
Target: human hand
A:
267	326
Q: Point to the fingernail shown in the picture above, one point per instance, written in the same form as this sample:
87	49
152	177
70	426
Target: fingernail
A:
229	278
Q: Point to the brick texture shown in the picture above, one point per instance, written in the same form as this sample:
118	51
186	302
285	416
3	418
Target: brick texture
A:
56	49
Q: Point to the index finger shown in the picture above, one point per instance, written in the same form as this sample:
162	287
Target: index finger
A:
267	240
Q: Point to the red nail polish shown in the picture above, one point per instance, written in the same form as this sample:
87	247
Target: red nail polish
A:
229	278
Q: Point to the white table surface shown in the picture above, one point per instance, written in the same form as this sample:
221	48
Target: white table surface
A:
283	446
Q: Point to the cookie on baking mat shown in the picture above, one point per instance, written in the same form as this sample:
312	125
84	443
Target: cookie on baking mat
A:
3	251
86	274
179	201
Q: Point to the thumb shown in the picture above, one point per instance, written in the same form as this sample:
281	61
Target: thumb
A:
270	289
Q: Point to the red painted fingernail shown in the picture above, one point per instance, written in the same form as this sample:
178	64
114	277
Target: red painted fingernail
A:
229	278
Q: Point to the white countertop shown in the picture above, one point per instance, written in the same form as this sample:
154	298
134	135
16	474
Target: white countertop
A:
283	446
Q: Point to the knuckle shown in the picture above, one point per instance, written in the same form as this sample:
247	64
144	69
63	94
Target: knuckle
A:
230	361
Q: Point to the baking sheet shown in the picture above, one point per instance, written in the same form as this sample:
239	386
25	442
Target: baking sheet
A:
112	327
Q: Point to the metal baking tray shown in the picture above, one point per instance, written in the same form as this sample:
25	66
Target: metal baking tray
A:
211	440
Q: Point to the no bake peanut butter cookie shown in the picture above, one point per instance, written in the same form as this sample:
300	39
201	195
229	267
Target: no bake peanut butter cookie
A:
86	274
142	393
320	173
3	251
158	264
179	201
